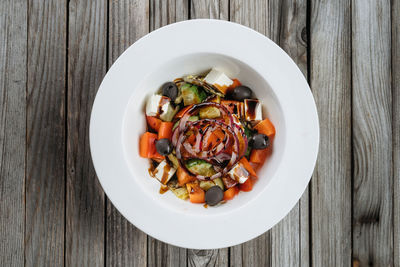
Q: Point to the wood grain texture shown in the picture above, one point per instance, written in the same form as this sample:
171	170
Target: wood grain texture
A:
372	134
209	9
256	252
251	13
256	15
163	13
290	237
13	48
160	254
85	212
125	244
396	127
215	9
45	160
330	73
209	257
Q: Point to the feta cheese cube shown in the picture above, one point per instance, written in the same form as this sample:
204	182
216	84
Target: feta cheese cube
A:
218	79
160	106
252	110
163	172
167	111
152	105
239	173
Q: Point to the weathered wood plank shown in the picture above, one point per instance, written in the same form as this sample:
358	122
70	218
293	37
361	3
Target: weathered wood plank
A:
372	134
45	160
85	212
215	9
162	254
331	85
13	48
125	244
214	257
290	237
209	9
168	11
256	252
161	14
396	126
254	14
251	13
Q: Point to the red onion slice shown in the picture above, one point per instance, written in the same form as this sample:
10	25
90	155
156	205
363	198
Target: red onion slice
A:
203	130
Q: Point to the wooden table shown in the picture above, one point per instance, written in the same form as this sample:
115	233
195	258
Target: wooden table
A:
53	56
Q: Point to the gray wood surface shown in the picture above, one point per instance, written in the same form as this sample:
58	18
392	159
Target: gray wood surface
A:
125	244
45	158
396	127
330	78
372	138
53	56
209	9
13	49
85	208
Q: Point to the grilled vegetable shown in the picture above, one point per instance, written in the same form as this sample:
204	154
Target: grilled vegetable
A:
192	94
147	146
180	192
231	193
196	194
266	127
200	167
199	81
173	160
205	185
184	177
219	182
209	112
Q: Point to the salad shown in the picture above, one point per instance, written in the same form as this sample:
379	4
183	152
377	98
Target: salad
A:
206	137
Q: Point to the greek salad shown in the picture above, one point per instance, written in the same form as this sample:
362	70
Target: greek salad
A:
206	137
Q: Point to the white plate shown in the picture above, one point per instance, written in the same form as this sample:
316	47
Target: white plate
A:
118	120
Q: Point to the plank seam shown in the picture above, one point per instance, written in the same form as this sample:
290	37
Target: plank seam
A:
229	10
189	10
66	129
308	31
351	137
393	131
26	123
107	67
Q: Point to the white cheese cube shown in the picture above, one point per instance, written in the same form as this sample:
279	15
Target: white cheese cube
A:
239	173
218	79
252	110
152	105
164	172
167	111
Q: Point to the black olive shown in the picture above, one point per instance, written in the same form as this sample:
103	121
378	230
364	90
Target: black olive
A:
241	93
163	146
170	90
259	141
214	195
